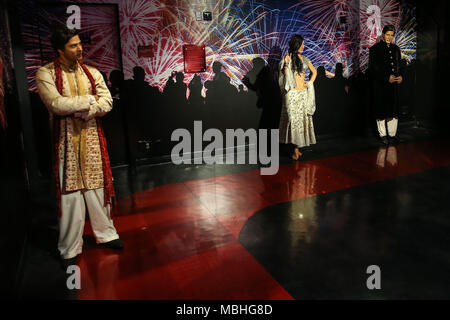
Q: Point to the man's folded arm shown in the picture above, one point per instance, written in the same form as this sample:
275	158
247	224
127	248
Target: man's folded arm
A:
56	103
104	103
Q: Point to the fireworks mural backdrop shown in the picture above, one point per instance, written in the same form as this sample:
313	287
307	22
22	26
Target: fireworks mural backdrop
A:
335	31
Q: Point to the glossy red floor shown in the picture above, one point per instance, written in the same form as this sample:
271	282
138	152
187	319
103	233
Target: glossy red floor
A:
182	239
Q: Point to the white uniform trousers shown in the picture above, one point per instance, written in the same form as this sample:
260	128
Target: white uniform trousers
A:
71	223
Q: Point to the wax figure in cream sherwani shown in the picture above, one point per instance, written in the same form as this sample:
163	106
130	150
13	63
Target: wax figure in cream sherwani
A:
76	96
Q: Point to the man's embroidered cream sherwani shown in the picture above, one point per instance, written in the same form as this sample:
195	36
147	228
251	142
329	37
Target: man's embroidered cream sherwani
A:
80	159
83	169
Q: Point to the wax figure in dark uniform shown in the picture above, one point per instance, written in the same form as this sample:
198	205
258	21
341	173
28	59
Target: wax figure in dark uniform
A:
386	75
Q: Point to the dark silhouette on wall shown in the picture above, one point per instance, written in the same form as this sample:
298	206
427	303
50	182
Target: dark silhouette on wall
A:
268	93
114	122
140	125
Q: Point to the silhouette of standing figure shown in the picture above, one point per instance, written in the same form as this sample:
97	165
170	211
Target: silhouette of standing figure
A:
268	93
195	91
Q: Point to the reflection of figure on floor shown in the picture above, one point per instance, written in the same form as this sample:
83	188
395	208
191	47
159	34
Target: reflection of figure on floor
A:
304	209
95	274
305	181
298	107
387	156
307	220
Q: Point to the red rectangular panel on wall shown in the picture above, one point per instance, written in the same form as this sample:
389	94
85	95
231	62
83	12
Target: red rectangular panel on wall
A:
194	58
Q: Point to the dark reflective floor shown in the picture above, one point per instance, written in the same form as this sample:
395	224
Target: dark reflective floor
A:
226	232
320	247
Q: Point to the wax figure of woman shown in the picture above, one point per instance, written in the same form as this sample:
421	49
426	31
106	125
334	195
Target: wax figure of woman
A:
299	103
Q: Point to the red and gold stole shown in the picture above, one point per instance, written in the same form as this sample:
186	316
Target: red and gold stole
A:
108	185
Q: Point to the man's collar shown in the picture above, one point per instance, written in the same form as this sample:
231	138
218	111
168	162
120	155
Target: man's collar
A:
69	68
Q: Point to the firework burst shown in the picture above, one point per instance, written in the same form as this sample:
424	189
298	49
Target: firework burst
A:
98	24
334	31
374	15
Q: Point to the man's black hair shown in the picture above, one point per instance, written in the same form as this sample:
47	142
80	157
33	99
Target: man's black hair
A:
389	27
61	35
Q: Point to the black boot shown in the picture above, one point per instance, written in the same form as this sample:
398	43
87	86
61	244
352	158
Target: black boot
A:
384	141
394	140
116	244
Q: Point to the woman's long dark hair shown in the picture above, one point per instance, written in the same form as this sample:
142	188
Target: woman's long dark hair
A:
294	44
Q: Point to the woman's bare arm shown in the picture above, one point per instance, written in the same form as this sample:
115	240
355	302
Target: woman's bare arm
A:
313	71
287	58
